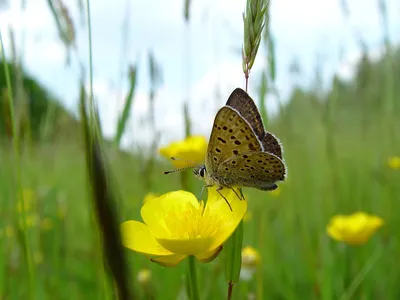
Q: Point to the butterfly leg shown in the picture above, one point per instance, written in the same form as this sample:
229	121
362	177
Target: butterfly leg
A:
226	200
205	186
241	196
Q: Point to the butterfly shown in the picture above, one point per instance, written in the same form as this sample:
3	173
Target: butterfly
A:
241	153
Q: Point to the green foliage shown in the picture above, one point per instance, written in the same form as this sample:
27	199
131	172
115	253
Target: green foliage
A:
42	109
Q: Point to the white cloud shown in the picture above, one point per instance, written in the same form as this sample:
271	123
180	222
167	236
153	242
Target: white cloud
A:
301	29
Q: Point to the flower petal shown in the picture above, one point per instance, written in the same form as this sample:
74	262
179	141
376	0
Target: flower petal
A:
136	236
193	148
229	219
169	261
156	211
209	256
190	246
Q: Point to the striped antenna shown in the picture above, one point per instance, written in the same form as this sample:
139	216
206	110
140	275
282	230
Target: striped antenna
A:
181	169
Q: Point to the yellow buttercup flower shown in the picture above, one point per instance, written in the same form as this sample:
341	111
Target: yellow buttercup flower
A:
193	148
250	260
28	198
394	162
32	220
149	197
355	229
144	276
176	225
250	257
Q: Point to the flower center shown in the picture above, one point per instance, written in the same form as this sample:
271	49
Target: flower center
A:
191	222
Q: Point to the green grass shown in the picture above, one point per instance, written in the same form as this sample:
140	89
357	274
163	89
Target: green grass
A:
337	161
299	261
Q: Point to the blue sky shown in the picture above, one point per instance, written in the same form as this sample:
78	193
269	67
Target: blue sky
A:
308	30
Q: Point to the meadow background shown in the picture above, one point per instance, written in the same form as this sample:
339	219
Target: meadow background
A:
338	133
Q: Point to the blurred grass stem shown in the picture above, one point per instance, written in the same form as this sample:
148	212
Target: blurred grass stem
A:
26	245
358	279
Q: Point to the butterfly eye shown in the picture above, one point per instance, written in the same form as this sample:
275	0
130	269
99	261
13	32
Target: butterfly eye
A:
202	171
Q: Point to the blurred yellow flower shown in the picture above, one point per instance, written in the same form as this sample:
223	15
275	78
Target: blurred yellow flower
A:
193	148
61	212
26	197
148	197
250	257
32	220
355	229
46	224
250	260
176	225
394	162
144	276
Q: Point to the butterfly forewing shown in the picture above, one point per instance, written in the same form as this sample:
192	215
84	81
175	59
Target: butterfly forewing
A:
241	101
254	169
231	136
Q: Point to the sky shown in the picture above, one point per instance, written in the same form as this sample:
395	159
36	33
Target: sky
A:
195	60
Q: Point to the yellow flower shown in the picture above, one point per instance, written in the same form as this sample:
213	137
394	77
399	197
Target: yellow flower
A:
394	162
26	197
193	148
250	260
355	229
149	197
177	225
144	276
46	224
250	257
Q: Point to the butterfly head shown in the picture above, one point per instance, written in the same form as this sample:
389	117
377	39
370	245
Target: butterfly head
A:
200	172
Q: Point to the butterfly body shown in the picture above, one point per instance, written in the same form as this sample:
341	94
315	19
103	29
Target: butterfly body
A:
240	152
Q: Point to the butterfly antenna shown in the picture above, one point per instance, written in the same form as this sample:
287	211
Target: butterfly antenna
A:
181	169
186	160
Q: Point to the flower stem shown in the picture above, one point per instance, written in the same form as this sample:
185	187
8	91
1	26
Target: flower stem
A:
230	290
193	287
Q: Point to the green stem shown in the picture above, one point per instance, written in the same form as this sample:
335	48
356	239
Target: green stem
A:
92	122
361	275
92	113
193	287
16	146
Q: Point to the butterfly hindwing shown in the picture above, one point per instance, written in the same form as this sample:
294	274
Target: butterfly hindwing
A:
253	169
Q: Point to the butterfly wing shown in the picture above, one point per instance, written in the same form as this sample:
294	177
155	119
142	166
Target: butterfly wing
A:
231	136
272	144
242	102
253	169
